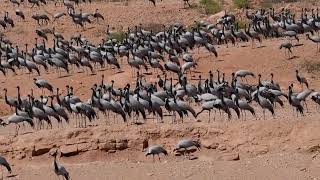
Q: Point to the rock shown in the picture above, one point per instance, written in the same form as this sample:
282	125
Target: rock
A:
52	151
303	169
107	146
83	147
313	148
209	144
123	144
230	157
37	151
21	156
70	150
112	151
256	150
222	147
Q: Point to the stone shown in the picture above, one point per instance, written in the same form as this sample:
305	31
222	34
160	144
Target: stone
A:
37	151
21	156
107	146
230	157
121	145
313	148
222	147
83	147
209	144
70	150
112	151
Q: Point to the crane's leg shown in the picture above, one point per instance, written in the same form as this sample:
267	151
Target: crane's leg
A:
305	102
251	43
159	158
264	114
16	134
209	115
153	157
18	129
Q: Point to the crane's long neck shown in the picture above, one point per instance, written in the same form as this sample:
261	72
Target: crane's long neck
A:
58	99
55	163
5	96
102	81
290	94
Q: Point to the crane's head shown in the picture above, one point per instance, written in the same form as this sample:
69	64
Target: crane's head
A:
55	152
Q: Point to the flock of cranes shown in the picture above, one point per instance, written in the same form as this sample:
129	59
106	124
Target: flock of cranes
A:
167	51
151	99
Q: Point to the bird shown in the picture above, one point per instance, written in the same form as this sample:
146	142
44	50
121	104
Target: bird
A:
16	119
58	16
185	144
302	80
20	14
155	150
41	83
315	39
264	103
295	102
59	169
12	102
97	15
287	46
40	33
243	74
4	162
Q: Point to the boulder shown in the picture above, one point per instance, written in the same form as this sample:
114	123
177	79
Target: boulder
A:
106	146
230	157
21	156
37	151
209	144
70	150
222	147
83	147
121	145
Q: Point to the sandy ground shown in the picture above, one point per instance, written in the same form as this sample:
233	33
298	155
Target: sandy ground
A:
283	148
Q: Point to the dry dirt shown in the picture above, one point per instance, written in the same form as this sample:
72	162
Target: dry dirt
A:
283	148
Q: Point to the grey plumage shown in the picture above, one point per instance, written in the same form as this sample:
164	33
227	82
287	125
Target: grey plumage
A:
59	169
41	83
155	150
5	163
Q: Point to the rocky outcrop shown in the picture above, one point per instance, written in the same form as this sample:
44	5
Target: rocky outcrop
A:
228	140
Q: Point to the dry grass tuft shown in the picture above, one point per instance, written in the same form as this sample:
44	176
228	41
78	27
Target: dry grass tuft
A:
311	66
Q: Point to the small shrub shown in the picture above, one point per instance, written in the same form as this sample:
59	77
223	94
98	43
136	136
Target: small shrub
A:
120	36
210	6
242	3
241	24
311	66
